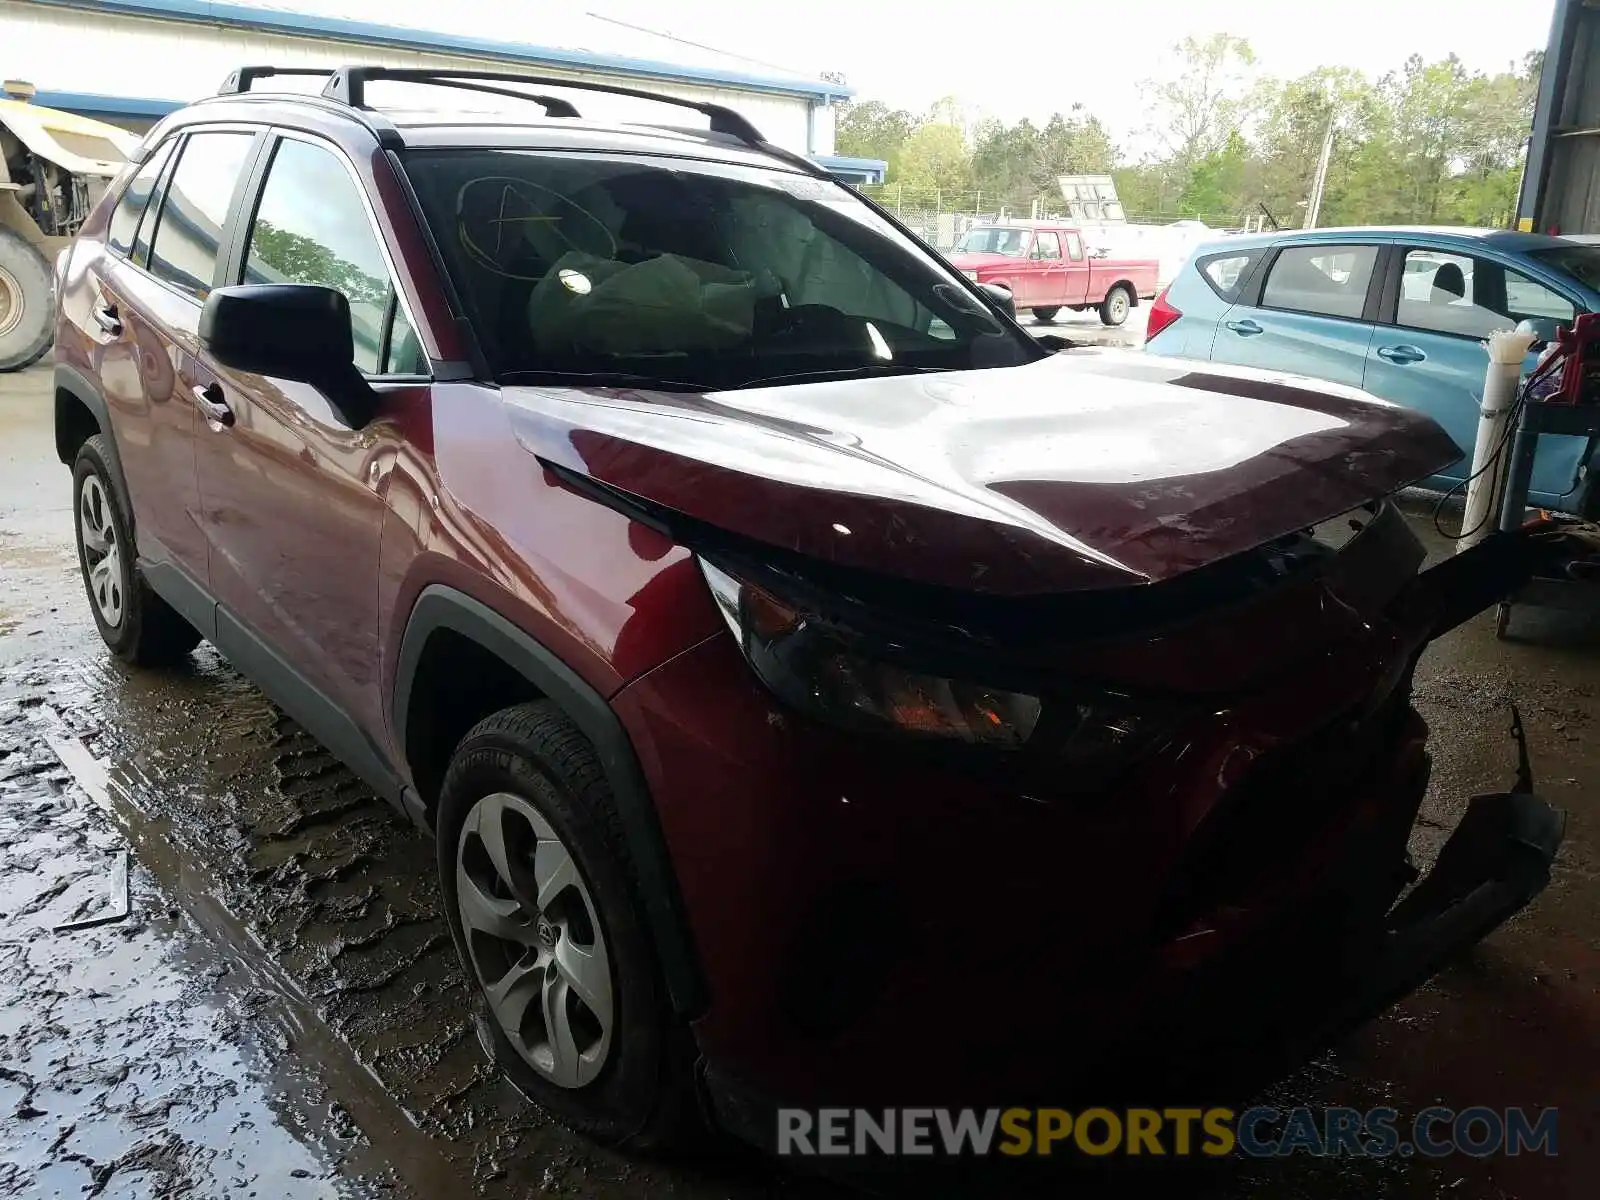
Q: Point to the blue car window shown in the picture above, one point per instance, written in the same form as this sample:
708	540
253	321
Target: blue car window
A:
1326	280
1470	297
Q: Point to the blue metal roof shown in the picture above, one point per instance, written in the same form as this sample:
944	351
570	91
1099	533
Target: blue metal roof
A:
93	104
266	20
870	170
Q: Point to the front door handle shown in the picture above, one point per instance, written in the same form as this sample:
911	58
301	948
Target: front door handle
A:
1245	328
1401	354
211	402
106	317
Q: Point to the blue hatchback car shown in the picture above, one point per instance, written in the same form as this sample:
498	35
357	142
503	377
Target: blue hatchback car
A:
1399	312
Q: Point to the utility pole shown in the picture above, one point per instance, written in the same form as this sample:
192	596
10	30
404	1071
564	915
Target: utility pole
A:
1314	205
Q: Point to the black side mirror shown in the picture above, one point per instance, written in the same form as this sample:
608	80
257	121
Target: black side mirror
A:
296	331
1000	297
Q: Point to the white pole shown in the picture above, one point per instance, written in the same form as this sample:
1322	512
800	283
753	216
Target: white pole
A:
1507	348
1314	204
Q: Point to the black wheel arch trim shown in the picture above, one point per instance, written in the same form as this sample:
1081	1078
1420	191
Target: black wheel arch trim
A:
445	608
78	385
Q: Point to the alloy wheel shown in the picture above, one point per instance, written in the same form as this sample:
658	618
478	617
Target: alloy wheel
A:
103	564
534	939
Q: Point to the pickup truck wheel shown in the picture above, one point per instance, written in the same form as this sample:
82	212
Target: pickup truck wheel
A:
1115	307
1047	314
26	319
543	905
137	625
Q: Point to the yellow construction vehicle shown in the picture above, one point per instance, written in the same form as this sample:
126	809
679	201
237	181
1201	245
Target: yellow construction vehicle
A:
54	167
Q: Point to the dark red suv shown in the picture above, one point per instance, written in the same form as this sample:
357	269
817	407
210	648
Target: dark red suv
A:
820	690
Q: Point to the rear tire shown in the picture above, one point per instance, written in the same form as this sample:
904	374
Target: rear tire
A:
136	625
1047	314
1115	307
524	802
27	313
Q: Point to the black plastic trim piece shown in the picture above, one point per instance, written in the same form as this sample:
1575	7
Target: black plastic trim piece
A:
76	384
241	78
298	697
440	607
242	210
179	589
1383	301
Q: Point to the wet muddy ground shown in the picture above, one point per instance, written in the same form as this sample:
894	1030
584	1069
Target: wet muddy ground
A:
281	1013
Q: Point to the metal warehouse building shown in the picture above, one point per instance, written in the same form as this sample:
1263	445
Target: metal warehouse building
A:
1561	186
131	61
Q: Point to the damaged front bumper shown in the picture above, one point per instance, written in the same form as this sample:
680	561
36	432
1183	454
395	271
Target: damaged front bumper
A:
1359	942
1254	1016
1340	930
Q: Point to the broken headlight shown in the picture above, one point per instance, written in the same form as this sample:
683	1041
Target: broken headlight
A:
816	670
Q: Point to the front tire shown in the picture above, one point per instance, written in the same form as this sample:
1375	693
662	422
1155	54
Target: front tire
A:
542	903
1115	307
136	625
1047	314
27	316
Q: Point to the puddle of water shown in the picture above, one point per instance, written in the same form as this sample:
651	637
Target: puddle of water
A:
132	1065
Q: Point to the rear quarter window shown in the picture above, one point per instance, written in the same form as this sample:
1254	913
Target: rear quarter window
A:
1225	273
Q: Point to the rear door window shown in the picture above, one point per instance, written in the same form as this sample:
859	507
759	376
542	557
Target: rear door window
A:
1047	244
194	213
1329	281
135	198
1226	273
1075	247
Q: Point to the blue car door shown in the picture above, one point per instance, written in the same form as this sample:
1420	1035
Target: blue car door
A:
1429	351
1309	315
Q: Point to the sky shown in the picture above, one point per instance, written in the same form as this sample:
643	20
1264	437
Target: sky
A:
1009	61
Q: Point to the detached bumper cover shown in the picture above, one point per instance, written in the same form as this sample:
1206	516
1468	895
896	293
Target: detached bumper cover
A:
1260	1014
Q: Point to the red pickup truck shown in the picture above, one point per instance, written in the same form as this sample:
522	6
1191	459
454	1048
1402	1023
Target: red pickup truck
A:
1048	268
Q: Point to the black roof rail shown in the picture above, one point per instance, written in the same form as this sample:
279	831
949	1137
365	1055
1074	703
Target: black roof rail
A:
349	85
239	80
346	88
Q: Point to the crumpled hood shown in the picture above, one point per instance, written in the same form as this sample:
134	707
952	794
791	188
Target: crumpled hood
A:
1087	469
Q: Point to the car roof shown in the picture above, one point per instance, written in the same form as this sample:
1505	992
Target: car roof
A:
1437	236
464	127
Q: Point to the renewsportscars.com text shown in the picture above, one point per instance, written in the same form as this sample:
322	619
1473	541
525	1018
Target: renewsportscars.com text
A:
1261	1132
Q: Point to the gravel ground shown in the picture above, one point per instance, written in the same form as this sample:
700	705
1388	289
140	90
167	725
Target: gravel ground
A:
282	1014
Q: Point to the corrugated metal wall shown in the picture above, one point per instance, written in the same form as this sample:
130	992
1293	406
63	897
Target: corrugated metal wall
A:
65	51
1562	190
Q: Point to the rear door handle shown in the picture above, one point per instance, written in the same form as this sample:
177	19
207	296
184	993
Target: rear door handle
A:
106	317
209	398
1401	354
1245	328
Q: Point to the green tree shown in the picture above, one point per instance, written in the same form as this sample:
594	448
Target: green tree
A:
1205	99
873	130
294	258
1217	185
935	161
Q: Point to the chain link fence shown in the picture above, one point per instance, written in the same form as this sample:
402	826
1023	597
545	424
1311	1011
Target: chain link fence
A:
941	218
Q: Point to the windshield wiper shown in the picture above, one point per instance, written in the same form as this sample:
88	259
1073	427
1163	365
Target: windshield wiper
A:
826	373
616	379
